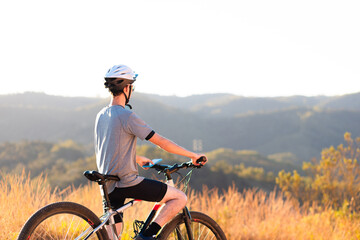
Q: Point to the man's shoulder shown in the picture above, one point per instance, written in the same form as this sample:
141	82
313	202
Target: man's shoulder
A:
123	112
115	110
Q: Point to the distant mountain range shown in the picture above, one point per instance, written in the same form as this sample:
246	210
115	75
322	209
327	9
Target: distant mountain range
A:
295	126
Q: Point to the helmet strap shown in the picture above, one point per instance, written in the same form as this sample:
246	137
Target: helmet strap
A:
127	98
128	106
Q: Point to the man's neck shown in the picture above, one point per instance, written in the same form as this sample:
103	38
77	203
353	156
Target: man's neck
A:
118	100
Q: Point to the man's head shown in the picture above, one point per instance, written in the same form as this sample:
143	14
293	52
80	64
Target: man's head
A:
118	77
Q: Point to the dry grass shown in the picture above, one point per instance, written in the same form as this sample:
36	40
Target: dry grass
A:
254	215
249	215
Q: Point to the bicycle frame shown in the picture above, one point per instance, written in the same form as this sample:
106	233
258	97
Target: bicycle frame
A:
109	216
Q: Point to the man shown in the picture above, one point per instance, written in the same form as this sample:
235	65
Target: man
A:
116	132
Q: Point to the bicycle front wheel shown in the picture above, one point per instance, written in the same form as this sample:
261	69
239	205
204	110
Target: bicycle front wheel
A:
62	220
202	227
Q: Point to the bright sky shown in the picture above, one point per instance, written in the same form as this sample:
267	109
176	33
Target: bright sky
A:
183	47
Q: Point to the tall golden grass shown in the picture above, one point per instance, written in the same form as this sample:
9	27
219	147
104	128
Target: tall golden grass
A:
249	215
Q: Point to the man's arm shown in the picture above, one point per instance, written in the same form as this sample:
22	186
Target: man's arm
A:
172	147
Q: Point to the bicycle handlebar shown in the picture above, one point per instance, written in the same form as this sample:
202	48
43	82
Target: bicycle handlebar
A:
169	169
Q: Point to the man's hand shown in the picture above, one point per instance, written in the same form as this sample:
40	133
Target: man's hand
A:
196	157
143	160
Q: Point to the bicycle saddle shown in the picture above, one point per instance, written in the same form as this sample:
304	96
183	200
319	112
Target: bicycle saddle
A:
98	177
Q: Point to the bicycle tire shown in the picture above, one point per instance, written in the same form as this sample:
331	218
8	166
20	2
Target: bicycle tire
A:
203	227
61	220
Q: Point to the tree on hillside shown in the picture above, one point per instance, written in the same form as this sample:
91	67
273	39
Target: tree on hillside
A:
334	180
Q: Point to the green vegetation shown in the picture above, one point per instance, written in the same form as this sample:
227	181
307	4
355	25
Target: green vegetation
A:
64	162
333	181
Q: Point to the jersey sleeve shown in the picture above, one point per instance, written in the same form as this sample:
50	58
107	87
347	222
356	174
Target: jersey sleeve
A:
139	128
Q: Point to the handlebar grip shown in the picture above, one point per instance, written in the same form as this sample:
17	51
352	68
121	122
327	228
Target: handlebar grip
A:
201	159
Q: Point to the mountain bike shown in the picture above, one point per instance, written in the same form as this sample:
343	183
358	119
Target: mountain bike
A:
68	220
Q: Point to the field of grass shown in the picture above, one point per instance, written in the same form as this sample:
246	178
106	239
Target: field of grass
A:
249	215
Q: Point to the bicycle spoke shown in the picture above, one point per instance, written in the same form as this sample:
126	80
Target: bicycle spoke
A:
69	227
199	231
62	226
178	234
208	232
72	235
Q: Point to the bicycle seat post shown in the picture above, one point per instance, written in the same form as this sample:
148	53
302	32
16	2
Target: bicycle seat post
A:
101	179
106	200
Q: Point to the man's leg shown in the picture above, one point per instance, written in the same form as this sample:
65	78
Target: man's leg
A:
109	231
174	200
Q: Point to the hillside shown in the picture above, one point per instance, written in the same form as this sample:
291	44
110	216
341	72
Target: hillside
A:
64	163
299	126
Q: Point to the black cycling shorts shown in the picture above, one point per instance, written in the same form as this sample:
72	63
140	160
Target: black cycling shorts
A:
147	190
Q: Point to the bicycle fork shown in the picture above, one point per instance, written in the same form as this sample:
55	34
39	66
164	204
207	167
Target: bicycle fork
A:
187	221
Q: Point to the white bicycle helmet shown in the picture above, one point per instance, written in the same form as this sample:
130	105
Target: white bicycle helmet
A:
119	76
